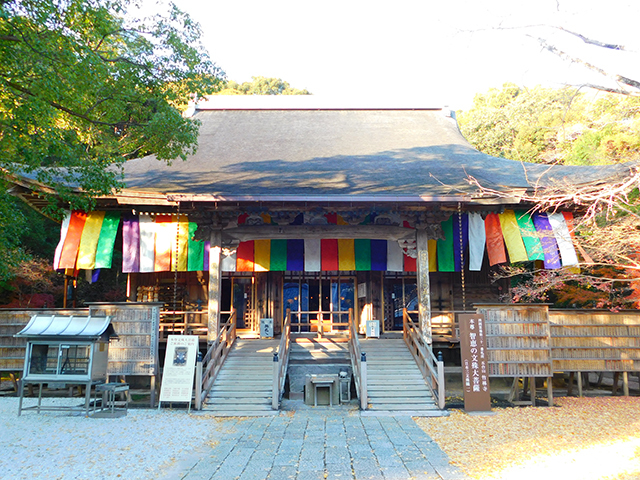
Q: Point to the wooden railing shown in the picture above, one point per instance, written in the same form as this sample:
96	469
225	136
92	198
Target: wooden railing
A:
444	324
320	323
207	370
281	362
432	369
358	362
183	322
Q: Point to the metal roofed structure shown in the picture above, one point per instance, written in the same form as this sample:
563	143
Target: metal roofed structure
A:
76	326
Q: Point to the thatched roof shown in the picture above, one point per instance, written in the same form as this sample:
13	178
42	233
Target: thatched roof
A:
286	148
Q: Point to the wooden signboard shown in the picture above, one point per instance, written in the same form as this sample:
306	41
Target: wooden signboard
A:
475	370
179	369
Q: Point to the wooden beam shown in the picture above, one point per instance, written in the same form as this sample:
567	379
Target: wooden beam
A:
424	288
285	232
215	285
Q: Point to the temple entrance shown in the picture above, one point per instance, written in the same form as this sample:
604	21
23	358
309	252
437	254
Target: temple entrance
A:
319	303
400	293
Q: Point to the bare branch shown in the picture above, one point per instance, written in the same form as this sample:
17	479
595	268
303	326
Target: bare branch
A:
591	41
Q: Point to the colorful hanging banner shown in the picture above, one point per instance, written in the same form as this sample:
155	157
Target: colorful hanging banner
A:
477	241
445	252
165	238
195	250
548	240
432	247
295	255
362	251
378	255
69	251
563	237
346	255
329	255
395	260
410	264
312	255
530	236
179	246
64	228
495	242
130	244
245	257
512	237
147	243
279	255
89	241
107	240
262	255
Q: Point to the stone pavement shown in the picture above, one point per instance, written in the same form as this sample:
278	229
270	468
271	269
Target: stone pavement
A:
311	443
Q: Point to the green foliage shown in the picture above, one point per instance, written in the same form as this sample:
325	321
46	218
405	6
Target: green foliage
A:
83	89
545	125
261	86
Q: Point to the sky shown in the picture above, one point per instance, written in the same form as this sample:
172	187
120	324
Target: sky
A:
439	51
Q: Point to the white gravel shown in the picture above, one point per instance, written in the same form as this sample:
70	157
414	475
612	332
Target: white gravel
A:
144	444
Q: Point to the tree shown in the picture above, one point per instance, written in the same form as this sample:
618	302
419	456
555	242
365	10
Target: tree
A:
261	86
547	125
584	131
84	88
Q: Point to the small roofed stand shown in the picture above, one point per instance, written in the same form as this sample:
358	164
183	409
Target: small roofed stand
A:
72	350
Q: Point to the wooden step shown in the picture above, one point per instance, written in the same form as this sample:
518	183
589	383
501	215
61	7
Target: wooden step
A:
394	381
244	385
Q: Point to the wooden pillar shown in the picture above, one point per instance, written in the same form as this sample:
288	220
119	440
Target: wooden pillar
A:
424	294
215	285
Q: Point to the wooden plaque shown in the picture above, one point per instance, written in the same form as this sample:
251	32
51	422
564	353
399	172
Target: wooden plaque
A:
475	364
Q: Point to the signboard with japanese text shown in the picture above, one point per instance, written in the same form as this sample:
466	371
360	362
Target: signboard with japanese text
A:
475	369
179	368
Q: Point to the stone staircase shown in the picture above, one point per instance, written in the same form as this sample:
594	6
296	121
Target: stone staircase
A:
309	354
394	381
245	382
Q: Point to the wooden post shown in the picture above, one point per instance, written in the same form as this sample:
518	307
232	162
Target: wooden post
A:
215	285
364	400
570	387
550	391
424	289
441	386
614	387
533	391
198	404
625	383
579	376
275	390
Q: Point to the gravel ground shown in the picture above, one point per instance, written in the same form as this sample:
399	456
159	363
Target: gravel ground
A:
55	445
582	438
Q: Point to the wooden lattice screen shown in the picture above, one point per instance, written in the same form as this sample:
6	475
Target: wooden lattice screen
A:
518	339
595	341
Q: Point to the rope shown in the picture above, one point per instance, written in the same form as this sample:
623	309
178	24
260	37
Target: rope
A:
175	263
464	289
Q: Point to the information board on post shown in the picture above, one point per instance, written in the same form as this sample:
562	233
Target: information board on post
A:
179	368
475	363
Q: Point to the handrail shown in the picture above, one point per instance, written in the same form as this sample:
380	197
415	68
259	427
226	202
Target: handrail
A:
281	363
432	369
215	357
358	362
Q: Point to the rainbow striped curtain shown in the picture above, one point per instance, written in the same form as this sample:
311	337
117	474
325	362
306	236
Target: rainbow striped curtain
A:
166	243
